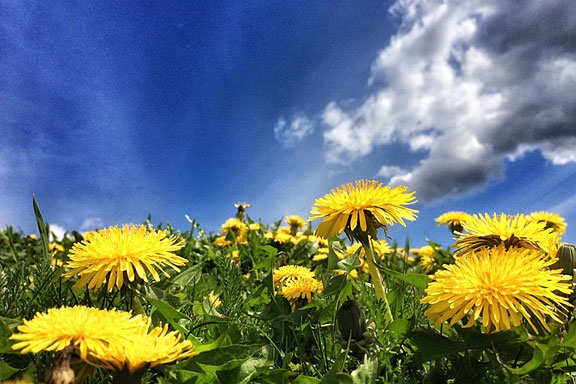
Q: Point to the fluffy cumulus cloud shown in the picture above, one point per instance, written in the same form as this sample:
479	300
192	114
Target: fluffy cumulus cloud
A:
292	132
466	84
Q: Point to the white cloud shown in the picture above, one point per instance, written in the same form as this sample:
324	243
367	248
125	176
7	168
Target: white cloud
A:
57	231
92	223
390	171
467	83
293	132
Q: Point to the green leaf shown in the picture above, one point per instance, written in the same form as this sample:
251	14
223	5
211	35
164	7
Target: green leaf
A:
531	365
306	380
168	313
42	229
417	280
399	328
432	346
5	333
6	371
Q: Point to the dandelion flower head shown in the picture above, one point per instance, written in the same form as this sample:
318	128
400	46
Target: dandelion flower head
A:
453	220
89	330
364	206
551	220
291	272
301	289
512	231
115	254
295	222
145	350
500	286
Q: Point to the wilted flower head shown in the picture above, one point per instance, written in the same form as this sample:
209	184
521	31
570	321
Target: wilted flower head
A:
241	210
551	220
453	220
361	209
511	231
116	254
499	285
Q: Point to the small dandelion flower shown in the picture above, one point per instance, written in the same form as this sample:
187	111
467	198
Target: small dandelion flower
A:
295	223
301	288
214	300
116	254
512	231
500	286
362	209
453	220
89	330
551	220
237	226
254	226
426	255
291	272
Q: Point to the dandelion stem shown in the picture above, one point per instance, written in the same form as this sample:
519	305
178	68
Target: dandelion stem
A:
379	285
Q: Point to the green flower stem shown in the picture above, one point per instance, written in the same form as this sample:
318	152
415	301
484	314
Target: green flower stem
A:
126	377
379	285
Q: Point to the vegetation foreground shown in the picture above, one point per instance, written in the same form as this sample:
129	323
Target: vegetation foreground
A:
282	303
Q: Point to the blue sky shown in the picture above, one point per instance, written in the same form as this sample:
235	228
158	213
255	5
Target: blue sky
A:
116	110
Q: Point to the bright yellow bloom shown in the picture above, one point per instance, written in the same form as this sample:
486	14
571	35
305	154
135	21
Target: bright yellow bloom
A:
300	288
254	226
214	300
145	350
23	380
89	330
291	272
115	254
426	254
283	238
295	222
381	248
499	285
237	226
365	206
512	231
221	241
551	220
55	248
454	220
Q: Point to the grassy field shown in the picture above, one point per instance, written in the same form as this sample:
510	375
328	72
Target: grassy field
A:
273	303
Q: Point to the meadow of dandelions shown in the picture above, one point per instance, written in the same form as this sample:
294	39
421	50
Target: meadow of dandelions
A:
330	298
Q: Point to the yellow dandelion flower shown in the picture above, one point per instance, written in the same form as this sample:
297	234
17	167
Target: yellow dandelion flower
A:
365	207
301	288
499	285
116	254
295	223
221	241
214	300
283	238
254	226
235	225
55	248
512	231
453	220
315	239
145	350
551	220
291	272
89	330
269	235
23	380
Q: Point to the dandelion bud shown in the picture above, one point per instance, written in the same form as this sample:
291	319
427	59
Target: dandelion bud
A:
351	321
